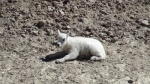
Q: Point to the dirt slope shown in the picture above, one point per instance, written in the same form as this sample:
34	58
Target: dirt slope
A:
28	29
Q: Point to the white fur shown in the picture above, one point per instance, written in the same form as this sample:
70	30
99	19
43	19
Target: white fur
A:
80	46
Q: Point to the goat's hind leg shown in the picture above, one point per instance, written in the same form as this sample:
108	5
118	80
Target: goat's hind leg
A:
97	57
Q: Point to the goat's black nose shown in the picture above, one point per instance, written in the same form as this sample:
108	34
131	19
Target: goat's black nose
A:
58	44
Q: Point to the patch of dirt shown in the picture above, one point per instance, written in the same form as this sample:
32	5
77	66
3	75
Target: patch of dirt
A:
28	30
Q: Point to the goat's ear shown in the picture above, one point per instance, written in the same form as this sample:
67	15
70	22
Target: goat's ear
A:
58	31
68	33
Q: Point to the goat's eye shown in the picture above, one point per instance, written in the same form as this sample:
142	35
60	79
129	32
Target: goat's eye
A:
63	39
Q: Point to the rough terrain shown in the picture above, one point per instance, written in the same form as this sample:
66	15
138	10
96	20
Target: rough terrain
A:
28	30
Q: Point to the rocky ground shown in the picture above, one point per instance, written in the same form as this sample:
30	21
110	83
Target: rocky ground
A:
28	30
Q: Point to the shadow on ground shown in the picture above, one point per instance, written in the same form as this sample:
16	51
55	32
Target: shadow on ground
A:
58	55
52	57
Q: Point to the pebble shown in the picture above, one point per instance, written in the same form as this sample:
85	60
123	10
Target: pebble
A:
23	35
87	33
1	15
130	81
114	39
50	8
92	1
39	39
66	1
61	12
11	1
88	29
35	33
49	32
40	24
1	30
120	1
68	27
145	22
86	20
110	33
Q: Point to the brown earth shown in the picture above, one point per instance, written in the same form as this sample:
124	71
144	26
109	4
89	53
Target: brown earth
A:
28	30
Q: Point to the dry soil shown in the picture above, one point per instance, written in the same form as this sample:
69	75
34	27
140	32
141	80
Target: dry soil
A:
28	30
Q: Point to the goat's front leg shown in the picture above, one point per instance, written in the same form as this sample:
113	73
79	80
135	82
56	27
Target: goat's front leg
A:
71	56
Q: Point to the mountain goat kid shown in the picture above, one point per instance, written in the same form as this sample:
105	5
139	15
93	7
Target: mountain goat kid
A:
79	46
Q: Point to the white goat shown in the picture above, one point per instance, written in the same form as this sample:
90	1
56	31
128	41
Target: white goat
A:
80	46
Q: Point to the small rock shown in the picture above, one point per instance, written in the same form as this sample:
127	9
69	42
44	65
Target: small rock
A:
28	30
12	32
57	20
110	33
77	29
106	25
120	1
126	40
114	39
40	24
91	35
130	81
39	39
24	11
86	21
66	1
34	50
50	23
87	33
107	39
88	29
49	32
50	8
92	1
120	43
38	6
11	1
132	16
45	2
75	8
80	20
61	12
23	35
13	19
68	27
35	33
30	39
64	24
58	26
138	27
145	22
28	24
1	30
1	15
42	33
103	12
140	37
103	36
75	15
